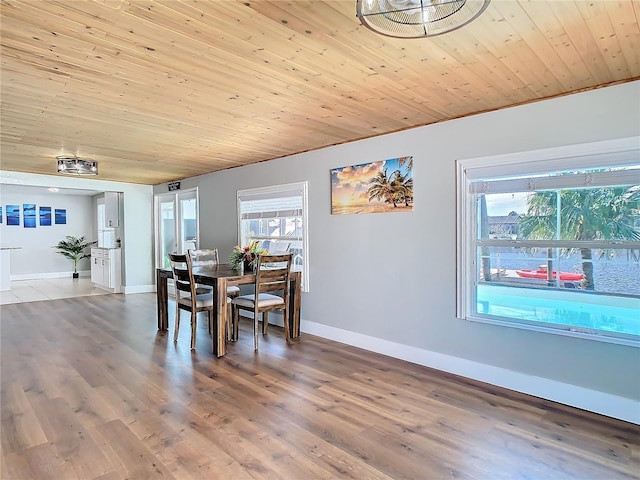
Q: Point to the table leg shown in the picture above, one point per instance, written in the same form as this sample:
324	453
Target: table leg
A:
218	336
162	300
295	284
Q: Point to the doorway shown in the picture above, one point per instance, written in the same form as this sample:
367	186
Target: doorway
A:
176	224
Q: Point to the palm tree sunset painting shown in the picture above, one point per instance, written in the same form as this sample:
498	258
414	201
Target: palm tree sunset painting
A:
384	186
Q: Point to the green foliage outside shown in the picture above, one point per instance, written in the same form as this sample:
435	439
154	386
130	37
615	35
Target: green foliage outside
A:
606	213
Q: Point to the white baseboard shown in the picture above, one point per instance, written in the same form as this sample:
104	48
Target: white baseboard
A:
138	289
43	276
591	400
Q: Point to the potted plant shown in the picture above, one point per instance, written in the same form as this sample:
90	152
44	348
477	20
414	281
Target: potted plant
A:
74	248
247	256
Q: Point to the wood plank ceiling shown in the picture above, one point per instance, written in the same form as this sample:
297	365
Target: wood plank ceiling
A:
163	90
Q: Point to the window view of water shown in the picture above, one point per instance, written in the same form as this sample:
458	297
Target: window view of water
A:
614	272
564	307
613	305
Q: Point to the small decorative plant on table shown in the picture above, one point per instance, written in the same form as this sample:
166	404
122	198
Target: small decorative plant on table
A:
74	248
246	257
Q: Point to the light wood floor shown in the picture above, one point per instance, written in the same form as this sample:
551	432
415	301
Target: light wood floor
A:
49	289
91	390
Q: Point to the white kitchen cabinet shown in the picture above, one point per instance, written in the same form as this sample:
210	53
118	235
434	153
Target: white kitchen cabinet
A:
96	266
106	266
111	209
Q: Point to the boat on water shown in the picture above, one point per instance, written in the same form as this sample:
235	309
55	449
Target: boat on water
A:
541	274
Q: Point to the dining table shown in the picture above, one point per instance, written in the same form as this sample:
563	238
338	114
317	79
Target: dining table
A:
220	277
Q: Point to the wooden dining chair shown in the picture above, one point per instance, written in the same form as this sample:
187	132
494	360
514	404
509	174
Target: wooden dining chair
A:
272	276
208	257
187	297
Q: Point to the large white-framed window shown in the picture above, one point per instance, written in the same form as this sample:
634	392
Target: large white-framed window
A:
277	217
549	240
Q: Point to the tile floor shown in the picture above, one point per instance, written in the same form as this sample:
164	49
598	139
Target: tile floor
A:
48	289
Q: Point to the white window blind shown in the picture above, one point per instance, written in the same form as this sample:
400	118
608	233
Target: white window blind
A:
288	203
628	177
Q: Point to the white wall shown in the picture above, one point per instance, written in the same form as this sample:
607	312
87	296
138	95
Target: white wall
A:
137	233
37	258
386	282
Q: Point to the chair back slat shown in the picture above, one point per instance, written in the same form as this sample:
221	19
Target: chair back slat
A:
272	274
204	257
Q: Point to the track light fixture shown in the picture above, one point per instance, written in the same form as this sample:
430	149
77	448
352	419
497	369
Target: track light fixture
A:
72	165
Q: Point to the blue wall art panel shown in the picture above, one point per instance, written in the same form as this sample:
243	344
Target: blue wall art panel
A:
29	215
13	214
0	214
45	216
61	216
